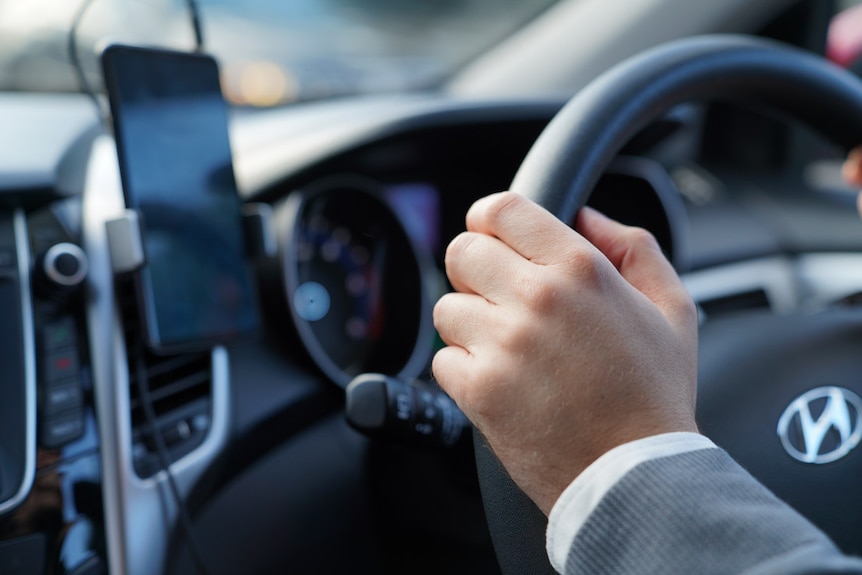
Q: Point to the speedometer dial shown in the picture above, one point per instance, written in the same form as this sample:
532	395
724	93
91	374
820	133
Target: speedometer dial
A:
354	282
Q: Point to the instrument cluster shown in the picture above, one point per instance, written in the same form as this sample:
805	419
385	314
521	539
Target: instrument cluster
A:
357	283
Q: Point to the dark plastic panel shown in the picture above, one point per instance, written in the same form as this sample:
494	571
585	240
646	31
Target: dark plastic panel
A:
13	406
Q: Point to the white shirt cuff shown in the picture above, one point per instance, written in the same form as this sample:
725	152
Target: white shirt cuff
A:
583	495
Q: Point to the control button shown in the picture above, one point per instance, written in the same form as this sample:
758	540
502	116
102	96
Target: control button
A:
58	431
59	334
63	396
404	406
65	265
23	556
406	411
180	431
60	365
60	271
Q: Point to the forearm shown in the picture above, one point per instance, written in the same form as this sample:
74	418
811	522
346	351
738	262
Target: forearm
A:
695	511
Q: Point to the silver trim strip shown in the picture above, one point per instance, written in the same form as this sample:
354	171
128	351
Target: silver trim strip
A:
22	245
807	282
103	200
776	276
138	512
827	278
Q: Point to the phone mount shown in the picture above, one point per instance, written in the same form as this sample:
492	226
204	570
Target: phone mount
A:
126	244
260	239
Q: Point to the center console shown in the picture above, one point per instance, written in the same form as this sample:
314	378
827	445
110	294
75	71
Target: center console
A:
51	513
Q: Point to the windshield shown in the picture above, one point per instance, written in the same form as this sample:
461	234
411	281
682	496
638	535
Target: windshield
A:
271	51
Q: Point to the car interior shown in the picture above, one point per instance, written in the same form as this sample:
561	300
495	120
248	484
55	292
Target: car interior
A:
300	430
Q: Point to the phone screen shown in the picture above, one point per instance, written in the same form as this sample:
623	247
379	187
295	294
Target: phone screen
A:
170	124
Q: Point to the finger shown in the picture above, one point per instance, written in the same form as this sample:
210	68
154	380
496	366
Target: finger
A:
639	259
527	228
852	170
484	265
451	367
463	319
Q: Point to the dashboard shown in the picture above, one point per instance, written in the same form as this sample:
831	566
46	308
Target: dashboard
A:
350	207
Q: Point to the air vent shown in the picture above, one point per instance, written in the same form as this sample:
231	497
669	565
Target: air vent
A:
742	301
180	388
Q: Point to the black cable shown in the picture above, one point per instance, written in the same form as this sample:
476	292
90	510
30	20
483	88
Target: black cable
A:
141	373
164	458
197	28
74	59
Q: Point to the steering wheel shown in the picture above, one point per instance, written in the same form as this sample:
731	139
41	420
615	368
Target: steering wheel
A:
751	368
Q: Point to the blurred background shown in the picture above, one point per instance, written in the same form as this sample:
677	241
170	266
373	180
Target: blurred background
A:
272	52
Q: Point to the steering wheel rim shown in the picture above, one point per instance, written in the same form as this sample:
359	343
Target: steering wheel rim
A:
573	151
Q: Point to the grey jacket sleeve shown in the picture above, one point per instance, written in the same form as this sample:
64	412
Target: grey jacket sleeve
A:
699	512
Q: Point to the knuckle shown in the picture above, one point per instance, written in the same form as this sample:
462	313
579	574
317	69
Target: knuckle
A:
482	391
684	305
518	342
477	393
438	368
641	238
499	208
548	299
518	333
441	310
586	266
459	247
452	320
447	377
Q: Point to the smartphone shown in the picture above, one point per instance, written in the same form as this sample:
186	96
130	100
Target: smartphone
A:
170	126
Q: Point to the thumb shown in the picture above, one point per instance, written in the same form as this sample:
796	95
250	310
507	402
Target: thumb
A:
639	259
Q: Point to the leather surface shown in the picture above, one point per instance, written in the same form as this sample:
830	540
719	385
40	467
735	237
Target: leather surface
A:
517	525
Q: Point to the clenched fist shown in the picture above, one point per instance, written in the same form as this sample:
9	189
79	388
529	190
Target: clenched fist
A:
563	344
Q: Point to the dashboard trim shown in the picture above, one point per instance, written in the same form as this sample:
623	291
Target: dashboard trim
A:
276	145
774	275
29	344
808	282
136	511
828	277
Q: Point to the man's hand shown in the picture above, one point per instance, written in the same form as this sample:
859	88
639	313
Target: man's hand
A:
562	346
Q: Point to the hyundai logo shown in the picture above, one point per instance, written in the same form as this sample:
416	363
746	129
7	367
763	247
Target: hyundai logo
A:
809	440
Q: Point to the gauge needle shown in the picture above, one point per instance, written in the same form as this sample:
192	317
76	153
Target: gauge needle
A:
376	304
